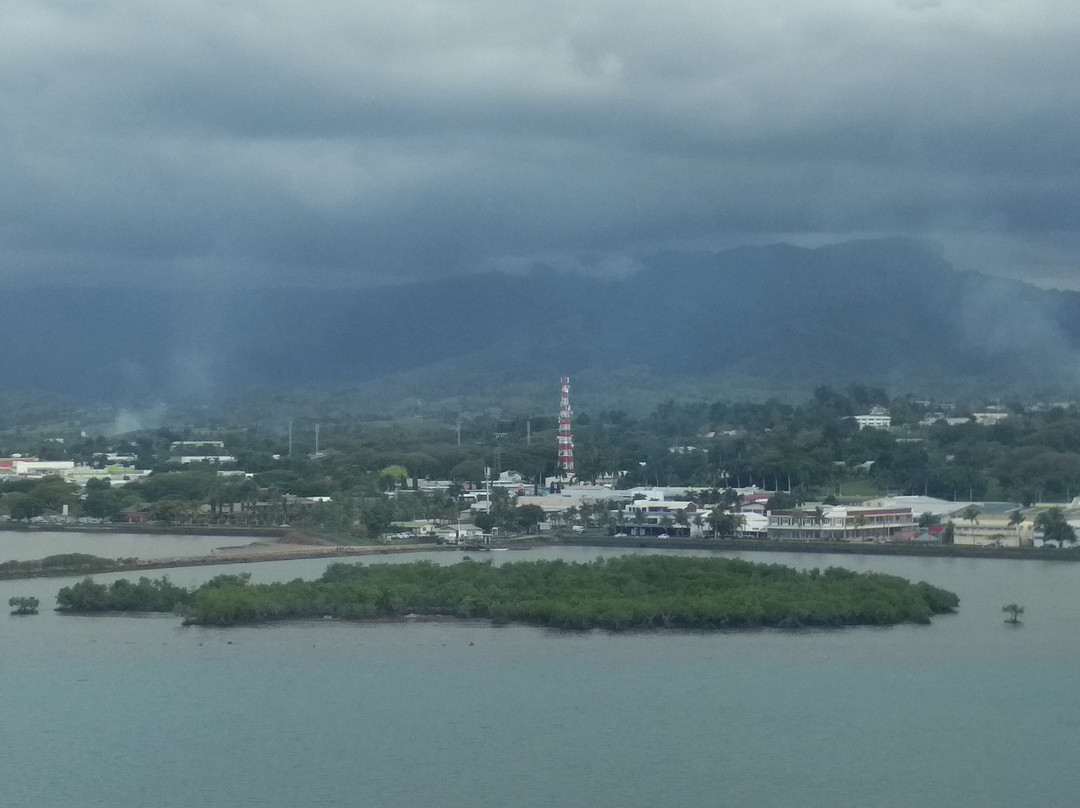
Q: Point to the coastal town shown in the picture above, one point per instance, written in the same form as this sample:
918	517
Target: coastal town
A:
348	493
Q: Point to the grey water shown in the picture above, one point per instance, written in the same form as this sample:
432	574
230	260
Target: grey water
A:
132	711
28	545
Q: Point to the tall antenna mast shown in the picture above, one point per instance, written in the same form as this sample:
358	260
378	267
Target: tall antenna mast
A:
566	434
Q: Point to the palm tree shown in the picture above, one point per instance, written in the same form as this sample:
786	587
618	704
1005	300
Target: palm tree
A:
620	512
698	521
798	516
585	510
737	522
819	517
682	520
717	519
1016	519
971	515
859	521
1054	527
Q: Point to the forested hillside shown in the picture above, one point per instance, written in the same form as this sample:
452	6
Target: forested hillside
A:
888	312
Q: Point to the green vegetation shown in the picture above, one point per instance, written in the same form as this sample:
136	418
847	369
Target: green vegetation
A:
630	592
63	563
122	596
361	482
24	605
1054	527
1014	611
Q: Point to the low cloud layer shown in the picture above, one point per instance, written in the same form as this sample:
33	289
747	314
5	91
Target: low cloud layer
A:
353	143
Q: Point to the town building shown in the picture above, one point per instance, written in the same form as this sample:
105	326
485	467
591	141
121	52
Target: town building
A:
877	418
841	523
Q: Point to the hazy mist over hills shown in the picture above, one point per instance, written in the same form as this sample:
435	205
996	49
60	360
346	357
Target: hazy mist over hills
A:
890	312
469	197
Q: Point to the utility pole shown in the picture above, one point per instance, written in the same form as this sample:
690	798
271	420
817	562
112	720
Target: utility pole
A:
316	440
290	437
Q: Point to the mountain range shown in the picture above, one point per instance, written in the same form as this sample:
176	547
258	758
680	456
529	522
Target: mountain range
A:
890	312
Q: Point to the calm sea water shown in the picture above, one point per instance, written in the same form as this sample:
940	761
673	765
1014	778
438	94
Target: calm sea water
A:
16	545
129	711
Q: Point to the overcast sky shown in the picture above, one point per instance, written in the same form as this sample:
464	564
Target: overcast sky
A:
261	142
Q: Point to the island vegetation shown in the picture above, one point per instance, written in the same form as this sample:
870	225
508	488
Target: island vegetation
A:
1014	611
629	592
23	604
62	564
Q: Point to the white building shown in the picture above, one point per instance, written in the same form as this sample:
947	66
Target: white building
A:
841	523
37	467
877	418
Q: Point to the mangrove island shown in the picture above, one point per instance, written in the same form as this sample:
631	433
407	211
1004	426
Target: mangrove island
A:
628	592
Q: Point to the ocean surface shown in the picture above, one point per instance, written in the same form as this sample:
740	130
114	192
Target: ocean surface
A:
27	545
139	711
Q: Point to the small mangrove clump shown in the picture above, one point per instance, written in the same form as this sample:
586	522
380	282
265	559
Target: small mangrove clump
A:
24	605
1014	611
630	592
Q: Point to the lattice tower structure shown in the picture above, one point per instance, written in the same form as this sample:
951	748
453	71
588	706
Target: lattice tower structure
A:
566	433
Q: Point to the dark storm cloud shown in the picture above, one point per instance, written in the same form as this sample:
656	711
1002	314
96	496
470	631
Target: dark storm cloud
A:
359	142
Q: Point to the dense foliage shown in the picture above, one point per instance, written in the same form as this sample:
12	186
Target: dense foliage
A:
23	604
631	592
146	595
60	563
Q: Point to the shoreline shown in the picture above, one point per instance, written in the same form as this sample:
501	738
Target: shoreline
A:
224	531
838	548
259	551
249	554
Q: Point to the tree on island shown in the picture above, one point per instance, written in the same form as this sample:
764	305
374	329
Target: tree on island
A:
1014	613
23	605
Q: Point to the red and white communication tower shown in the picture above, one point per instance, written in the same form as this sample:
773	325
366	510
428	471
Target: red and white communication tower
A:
566	435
